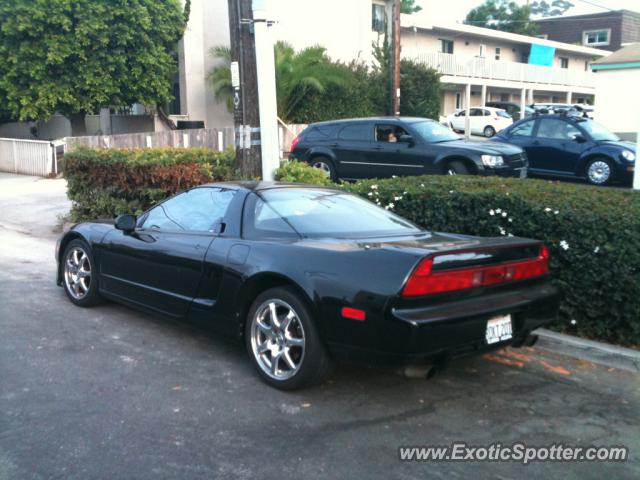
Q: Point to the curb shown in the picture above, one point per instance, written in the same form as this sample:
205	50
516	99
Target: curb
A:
590	350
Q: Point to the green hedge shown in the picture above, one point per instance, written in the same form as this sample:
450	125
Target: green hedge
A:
593	235
103	183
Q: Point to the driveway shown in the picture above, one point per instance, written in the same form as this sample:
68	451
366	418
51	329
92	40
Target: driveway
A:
112	393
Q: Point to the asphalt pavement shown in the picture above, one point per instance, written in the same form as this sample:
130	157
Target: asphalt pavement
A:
110	393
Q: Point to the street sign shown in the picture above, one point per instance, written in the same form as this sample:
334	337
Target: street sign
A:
235	75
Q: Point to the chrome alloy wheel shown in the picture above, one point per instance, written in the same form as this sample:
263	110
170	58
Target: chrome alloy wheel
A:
599	172
326	169
77	273
277	339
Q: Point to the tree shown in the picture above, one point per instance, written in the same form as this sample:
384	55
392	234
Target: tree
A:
409	6
220	76
553	9
75	56
420	90
503	15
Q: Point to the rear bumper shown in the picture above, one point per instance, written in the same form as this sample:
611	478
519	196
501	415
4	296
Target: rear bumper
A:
442	332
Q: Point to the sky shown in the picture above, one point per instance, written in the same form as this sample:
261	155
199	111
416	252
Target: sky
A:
456	10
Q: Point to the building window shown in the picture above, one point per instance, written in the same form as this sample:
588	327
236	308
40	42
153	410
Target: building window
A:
564	62
483	50
458	100
378	18
446	46
497	53
594	38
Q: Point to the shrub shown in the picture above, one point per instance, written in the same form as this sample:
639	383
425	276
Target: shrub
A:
593	235
103	183
299	172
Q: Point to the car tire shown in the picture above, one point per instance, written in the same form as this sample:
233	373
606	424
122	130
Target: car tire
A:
489	131
326	165
288	353
79	274
456	168
599	171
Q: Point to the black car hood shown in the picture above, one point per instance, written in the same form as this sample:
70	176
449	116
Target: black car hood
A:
483	147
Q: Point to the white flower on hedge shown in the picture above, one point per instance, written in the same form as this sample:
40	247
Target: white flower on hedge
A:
564	245
557	212
504	214
492	213
373	187
397	199
547	209
370	194
422	185
390	206
511	220
573	321
510	235
450	191
596	250
498	210
502	231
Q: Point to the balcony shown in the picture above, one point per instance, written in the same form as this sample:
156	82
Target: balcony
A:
478	67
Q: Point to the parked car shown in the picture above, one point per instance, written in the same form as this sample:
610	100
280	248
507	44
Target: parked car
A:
485	121
577	109
570	146
305	275
512	109
387	146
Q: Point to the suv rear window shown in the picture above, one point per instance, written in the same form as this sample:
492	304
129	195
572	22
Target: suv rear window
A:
320	132
359	131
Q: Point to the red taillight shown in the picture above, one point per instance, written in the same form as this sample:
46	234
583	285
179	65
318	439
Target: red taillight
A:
353	313
425	282
294	144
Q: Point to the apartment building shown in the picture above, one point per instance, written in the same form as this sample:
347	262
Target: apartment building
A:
480	65
345	28
605	30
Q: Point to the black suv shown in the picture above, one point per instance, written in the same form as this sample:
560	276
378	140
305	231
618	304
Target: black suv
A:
387	146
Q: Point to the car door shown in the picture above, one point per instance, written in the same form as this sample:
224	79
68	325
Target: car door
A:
159	265
389	156
554	148
477	122
353	147
522	136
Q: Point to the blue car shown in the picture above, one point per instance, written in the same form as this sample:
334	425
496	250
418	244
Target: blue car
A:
570	146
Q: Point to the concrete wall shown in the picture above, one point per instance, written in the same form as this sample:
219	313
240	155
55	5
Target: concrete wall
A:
617	103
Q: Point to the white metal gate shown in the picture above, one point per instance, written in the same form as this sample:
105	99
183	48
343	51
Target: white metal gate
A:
29	157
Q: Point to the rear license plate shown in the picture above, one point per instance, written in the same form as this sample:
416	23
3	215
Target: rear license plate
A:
499	329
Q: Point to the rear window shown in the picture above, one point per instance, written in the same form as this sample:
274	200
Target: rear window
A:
360	131
320	132
503	114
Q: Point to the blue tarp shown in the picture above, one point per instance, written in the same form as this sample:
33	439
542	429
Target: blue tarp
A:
541	55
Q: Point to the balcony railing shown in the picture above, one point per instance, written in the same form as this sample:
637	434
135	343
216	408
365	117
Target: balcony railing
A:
478	67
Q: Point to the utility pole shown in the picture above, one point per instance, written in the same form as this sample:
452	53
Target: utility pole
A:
246	114
395	60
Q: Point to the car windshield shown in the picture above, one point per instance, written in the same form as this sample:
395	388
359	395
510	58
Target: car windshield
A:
598	132
327	213
433	132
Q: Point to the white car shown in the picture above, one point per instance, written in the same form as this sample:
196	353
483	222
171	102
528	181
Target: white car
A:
485	121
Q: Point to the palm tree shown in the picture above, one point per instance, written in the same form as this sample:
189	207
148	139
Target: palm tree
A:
298	75
301	74
220	76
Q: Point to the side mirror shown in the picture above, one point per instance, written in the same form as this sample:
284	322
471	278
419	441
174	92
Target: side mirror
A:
579	138
126	223
407	139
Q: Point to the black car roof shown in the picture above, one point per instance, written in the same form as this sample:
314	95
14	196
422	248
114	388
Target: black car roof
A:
372	119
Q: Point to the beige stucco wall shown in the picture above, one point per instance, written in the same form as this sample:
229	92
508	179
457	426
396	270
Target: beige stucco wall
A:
617	104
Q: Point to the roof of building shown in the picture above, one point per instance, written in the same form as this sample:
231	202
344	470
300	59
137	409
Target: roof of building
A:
407	22
585	16
626	57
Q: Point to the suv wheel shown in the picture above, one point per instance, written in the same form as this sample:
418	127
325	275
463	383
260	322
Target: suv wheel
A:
326	165
456	168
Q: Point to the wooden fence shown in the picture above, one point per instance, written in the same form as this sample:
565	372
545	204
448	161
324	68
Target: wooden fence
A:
214	138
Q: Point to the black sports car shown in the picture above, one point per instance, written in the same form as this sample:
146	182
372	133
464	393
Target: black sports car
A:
306	275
